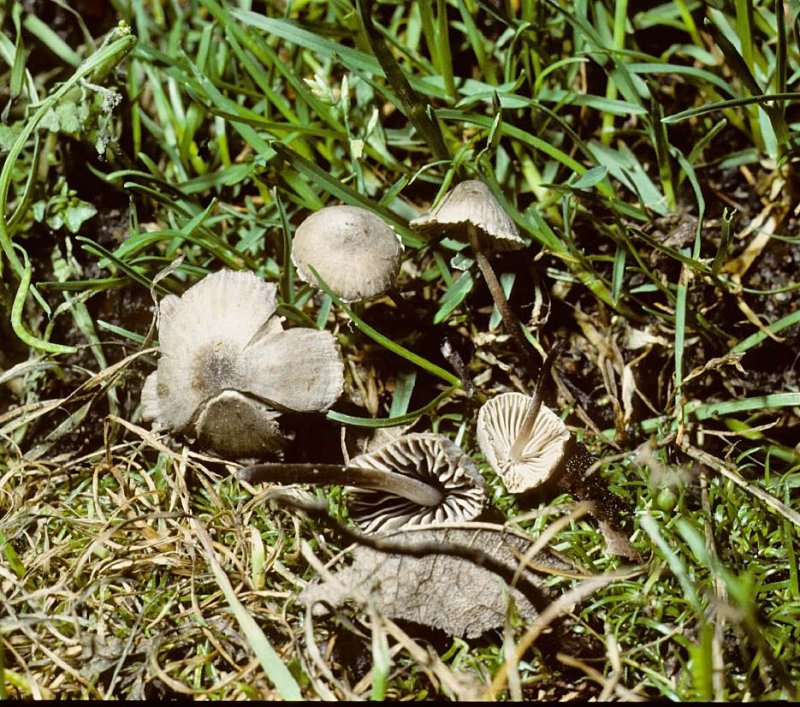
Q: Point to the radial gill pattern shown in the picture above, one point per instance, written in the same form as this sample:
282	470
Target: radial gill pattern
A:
431	458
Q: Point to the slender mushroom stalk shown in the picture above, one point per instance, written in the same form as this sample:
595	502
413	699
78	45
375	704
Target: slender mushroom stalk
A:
389	482
415	479
470	212
526	429
511	323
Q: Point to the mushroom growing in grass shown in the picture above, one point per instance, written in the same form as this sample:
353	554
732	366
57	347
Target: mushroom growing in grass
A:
228	369
413	480
528	445
523	444
355	253
470	212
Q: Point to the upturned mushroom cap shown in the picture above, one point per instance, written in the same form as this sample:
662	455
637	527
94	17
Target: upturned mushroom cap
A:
522	458
354	251
221	337
234	425
470	203
431	458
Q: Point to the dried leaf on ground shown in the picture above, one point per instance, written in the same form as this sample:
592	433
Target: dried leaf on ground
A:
439	591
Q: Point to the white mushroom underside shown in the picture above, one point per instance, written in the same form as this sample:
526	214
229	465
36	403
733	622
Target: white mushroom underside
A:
500	422
431	458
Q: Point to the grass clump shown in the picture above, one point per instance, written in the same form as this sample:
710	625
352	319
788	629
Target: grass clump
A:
646	151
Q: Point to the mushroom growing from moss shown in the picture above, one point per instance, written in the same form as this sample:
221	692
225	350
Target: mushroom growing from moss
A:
413	480
228	368
470	212
353	250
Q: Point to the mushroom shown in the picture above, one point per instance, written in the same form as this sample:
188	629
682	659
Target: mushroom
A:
448	577
228	369
470	212
523	441
527	444
413	480
353	250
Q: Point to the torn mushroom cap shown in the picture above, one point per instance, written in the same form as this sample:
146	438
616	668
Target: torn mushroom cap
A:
524	455
471	203
355	252
431	458
227	367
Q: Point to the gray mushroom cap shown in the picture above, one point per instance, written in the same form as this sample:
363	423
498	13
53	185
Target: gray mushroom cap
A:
227	368
234	425
471	203
431	458
353	250
523	455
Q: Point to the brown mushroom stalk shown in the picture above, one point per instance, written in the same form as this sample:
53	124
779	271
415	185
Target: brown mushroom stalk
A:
534	406
388	482
471	213
512	324
413	480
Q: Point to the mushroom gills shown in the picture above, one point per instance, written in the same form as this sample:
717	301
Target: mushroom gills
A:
430	458
524	447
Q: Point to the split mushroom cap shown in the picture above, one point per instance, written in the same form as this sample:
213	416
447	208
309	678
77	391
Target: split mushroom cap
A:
471	203
523	451
432	459
227	367
353	250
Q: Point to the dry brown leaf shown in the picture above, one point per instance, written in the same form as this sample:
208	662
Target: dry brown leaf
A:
440	591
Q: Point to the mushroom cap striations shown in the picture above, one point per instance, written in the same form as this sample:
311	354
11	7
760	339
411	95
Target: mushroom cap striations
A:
501	421
224	353
471	203
431	458
353	250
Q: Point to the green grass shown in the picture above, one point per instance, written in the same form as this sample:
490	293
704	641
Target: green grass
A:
647	153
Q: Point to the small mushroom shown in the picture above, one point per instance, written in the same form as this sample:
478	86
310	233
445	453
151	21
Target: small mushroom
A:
470	212
228	369
413	480
353	250
522	444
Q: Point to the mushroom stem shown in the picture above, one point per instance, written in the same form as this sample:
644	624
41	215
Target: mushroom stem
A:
533	409
510	321
397	484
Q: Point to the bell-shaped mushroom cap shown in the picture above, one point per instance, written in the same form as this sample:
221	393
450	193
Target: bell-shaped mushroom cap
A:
431	458
221	335
238	427
471	203
523	455
353	250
